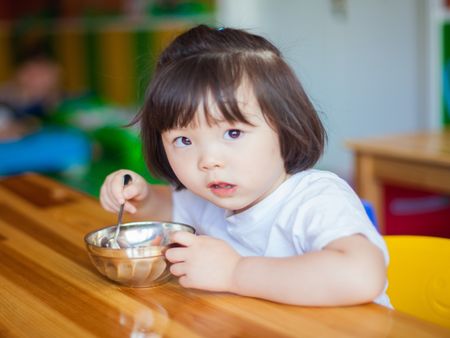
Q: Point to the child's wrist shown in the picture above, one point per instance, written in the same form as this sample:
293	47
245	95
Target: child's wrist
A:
235	274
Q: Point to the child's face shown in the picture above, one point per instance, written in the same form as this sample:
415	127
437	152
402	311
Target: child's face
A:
232	165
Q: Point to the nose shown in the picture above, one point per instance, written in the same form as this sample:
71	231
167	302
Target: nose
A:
210	159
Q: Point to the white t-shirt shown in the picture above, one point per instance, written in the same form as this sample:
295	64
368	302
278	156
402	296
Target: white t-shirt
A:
305	213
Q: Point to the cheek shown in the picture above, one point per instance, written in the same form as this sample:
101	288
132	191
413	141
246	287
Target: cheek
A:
260	162
181	165
275	150
171	158
187	176
175	162
266	152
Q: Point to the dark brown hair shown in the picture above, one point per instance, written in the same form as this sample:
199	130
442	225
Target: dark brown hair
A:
205	63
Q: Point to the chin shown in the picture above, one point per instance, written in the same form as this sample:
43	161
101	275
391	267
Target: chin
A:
229	204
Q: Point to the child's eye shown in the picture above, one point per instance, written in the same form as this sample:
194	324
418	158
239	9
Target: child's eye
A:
182	141
232	134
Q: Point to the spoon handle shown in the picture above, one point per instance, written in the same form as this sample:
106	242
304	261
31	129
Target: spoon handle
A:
126	180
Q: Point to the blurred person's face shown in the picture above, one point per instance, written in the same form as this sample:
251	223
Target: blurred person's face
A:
39	80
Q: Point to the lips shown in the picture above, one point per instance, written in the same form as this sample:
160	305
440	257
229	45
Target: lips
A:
222	189
220	185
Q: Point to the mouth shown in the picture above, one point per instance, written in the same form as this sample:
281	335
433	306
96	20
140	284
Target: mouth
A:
220	185
222	189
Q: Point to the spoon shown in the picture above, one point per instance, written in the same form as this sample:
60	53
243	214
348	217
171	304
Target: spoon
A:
113	241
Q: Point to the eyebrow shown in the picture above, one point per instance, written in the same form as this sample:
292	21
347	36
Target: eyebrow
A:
248	117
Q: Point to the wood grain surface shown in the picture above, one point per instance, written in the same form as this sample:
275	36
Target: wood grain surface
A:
49	288
429	147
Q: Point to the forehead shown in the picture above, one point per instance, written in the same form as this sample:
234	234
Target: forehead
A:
211	111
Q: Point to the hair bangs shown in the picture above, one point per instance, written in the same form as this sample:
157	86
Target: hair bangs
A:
205	85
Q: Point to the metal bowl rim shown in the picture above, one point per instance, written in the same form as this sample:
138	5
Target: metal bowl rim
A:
129	224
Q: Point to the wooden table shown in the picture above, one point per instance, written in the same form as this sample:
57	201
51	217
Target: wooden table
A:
420	160
49	288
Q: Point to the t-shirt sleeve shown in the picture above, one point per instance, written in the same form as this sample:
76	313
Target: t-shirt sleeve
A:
335	211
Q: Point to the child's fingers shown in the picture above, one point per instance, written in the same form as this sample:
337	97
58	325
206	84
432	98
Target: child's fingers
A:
113	193
185	281
132	190
116	187
178	269
109	197
107	205
183	237
114	207
174	255
105	200
129	208
108	189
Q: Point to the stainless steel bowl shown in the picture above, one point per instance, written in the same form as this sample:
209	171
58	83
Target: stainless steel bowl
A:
140	261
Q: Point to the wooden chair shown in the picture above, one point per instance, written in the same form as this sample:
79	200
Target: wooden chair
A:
419	276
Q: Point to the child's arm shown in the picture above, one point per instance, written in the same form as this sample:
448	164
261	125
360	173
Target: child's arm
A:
141	199
348	271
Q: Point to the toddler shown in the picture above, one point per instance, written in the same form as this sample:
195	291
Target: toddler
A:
228	125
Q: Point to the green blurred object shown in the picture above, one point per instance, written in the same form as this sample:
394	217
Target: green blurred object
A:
181	7
115	146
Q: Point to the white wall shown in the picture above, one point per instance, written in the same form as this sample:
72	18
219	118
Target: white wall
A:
362	64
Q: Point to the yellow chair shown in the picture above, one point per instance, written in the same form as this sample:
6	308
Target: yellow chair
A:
419	276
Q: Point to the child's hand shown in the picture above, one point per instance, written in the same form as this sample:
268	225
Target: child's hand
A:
113	193
203	263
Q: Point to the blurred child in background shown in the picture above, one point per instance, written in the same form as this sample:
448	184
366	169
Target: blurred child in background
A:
26	100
